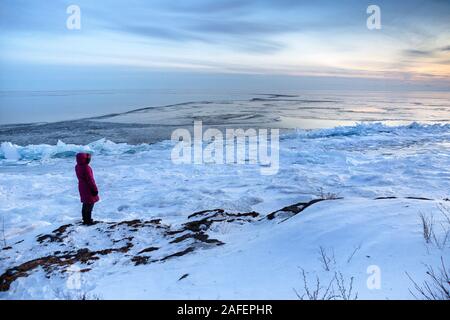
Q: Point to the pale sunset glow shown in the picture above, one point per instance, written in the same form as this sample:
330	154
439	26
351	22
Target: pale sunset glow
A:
294	38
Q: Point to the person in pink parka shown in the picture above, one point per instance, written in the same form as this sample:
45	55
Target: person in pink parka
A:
86	186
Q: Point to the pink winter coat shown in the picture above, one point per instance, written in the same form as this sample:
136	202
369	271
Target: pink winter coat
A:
86	183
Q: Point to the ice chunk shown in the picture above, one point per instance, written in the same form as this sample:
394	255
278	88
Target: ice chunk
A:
9	151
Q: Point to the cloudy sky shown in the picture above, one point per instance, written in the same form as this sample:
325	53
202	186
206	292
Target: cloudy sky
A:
319	39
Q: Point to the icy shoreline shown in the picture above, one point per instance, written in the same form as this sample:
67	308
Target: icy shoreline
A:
14	152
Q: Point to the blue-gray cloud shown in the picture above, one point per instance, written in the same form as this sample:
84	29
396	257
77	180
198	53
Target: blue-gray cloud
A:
249	26
426	53
206	20
419	53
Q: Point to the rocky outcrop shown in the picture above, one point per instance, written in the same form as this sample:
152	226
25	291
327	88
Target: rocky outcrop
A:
290	211
137	242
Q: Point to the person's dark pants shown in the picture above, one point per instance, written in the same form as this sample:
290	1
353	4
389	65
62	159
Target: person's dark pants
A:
86	212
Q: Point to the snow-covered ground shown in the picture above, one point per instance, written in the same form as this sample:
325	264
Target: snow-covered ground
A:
260	258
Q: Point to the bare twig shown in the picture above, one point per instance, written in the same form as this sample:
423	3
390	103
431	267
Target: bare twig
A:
317	292
445	212
429	228
441	242
345	292
325	259
437	287
353	253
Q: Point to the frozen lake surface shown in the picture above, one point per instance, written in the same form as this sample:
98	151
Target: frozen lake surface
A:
147	117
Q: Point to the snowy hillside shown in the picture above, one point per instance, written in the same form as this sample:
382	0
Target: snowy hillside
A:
218	255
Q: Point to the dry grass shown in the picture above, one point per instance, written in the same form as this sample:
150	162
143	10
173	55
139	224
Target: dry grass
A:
316	292
322	194
437	285
75	295
336	289
427	226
